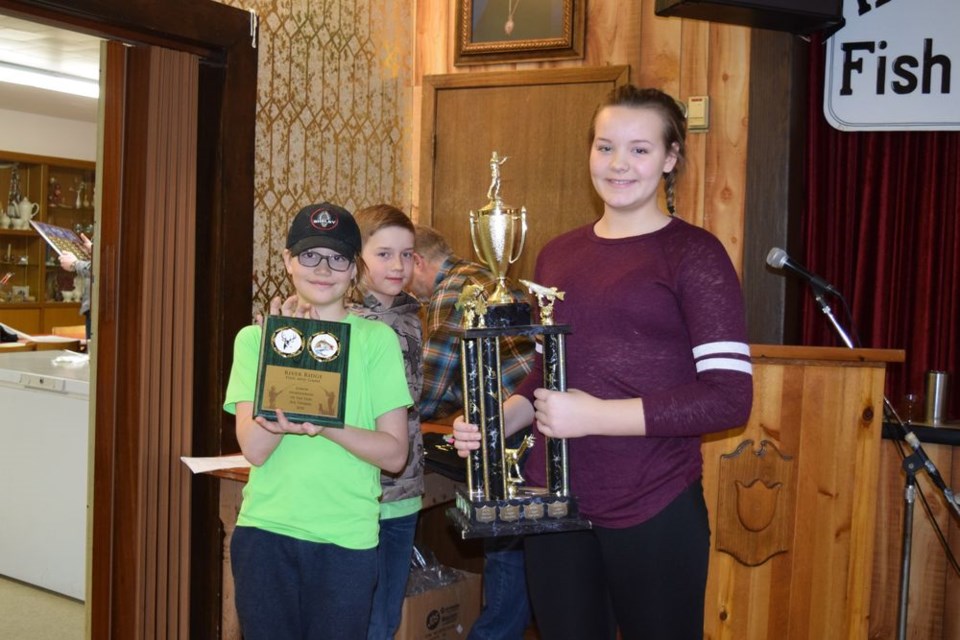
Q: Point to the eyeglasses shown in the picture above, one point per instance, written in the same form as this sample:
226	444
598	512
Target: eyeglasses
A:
335	261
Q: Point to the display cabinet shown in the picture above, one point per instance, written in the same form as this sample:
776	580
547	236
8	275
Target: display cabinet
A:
36	294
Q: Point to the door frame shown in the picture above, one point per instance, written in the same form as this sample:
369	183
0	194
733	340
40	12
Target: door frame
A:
221	37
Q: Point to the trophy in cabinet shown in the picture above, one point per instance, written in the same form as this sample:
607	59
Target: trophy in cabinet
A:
496	501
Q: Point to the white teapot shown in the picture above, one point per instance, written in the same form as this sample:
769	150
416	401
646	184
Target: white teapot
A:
28	209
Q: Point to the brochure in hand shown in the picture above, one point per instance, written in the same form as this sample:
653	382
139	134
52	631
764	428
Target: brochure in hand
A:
303	370
62	239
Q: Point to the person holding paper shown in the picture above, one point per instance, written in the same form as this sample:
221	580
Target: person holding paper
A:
83	268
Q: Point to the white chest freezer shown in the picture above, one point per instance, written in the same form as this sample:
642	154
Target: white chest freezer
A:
44	433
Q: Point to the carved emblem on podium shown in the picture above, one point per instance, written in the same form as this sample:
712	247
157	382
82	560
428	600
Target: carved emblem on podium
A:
755	498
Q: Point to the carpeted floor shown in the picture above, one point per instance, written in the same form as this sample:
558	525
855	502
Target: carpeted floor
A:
28	613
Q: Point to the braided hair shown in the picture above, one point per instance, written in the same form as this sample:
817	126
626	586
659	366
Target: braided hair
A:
674	125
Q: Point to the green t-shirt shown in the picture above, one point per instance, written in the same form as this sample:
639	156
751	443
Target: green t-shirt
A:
400	508
311	488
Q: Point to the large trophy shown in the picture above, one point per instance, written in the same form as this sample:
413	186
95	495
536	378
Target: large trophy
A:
496	501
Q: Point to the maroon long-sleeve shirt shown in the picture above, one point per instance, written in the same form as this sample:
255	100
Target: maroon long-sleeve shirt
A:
660	317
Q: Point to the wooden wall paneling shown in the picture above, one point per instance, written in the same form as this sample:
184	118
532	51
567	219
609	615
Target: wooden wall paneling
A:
428	24
436	20
694	80
774	188
661	49
725	177
612	34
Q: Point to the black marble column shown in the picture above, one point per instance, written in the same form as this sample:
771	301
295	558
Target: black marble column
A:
555	378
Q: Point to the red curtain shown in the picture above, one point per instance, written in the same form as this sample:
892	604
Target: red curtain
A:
882	224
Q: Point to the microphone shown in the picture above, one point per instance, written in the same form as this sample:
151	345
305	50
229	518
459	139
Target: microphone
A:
778	259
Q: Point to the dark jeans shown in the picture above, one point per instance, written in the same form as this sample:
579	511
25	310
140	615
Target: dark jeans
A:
648	580
393	559
288	589
506	607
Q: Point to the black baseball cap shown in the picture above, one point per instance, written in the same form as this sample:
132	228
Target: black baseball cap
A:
324	225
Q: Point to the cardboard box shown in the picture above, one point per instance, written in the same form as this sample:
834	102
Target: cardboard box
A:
443	613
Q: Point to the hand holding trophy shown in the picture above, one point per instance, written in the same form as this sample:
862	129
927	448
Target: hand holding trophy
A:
496	500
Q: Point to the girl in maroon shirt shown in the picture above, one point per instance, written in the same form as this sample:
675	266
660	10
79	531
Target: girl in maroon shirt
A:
657	357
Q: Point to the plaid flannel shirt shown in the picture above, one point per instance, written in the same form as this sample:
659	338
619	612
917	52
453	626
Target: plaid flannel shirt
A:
442	393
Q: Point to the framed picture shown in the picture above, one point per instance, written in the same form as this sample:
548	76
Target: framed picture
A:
490	31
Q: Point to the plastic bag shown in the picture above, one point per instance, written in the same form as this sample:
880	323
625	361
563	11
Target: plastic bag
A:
427	573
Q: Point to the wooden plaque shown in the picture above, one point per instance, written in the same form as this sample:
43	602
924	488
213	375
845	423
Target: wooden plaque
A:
303	370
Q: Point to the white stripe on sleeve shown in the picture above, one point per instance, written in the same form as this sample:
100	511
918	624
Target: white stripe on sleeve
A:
728	364
710	348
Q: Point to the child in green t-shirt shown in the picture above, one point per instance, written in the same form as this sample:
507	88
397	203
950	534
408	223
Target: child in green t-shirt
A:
303	553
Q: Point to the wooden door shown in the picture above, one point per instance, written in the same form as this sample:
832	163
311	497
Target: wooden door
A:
539	120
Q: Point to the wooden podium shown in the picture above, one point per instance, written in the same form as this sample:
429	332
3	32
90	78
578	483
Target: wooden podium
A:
792	497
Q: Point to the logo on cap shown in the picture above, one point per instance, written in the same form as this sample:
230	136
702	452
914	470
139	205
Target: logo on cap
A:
323	220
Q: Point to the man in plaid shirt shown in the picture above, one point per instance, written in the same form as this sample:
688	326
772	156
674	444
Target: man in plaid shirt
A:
440	276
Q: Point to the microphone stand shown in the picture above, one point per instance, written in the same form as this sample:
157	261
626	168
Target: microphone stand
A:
911	465
818	294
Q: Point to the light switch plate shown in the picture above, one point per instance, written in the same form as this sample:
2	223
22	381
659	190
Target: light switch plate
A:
698	113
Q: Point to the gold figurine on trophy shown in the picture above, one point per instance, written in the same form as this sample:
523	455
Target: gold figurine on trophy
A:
546	297
498	232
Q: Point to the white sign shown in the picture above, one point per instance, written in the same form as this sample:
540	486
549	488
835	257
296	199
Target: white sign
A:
895	64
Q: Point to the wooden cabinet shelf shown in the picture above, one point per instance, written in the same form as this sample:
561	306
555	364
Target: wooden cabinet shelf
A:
37	294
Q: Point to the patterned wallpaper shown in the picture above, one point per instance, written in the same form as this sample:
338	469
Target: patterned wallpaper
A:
334	123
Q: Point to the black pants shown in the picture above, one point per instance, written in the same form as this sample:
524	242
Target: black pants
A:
647	580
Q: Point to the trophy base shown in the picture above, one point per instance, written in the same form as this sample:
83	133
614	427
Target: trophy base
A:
531	512
510	314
